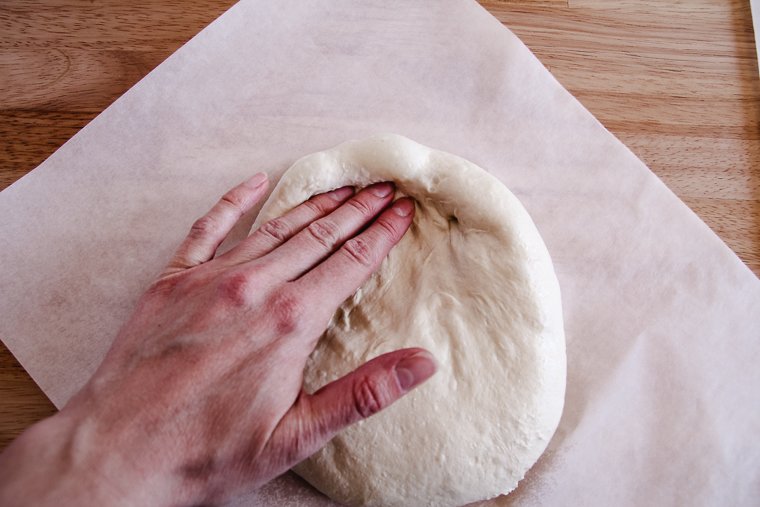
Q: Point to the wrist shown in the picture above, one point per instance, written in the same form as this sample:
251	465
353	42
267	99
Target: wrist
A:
68	460
43	466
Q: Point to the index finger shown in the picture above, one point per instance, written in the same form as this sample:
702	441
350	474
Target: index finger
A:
341	274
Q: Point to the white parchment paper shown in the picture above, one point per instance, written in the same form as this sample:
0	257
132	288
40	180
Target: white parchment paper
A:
662	319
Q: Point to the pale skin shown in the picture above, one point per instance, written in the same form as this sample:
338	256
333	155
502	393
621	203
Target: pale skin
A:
200	396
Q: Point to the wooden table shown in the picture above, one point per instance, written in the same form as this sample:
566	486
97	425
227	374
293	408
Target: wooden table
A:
677	83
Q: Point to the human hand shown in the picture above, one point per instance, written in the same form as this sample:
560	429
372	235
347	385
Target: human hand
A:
201	395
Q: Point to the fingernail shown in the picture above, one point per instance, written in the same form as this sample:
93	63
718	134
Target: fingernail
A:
415	369
381	189
256	180
403	207
341	193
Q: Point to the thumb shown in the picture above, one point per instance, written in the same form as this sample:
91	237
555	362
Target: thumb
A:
375	385
370	388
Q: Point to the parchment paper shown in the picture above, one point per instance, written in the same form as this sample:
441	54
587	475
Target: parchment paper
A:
662	319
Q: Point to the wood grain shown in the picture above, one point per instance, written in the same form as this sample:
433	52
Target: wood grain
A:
676	81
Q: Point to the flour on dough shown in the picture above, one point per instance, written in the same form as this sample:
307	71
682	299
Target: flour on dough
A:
472	282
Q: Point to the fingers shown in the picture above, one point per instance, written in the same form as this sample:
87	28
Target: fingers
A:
277	231
372	387
319	238
359	257
208	232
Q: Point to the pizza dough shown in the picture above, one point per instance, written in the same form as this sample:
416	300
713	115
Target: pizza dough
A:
472	282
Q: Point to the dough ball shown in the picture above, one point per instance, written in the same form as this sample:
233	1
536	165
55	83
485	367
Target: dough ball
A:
472	282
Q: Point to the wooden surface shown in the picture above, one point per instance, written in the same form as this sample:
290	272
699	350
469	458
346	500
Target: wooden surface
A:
677	82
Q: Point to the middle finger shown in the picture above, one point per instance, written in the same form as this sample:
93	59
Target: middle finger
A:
320	238
277	231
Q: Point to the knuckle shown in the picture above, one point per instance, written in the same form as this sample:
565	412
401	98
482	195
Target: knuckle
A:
203	226
236	289
359	251
362	207
388	229
325	232
368	397
287	310
276	229
315	206
233	199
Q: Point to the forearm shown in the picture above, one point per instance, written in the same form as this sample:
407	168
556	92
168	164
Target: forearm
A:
58	461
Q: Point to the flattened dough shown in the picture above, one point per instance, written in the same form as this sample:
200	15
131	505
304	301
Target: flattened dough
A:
472	282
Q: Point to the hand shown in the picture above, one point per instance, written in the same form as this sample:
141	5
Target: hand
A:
200	394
